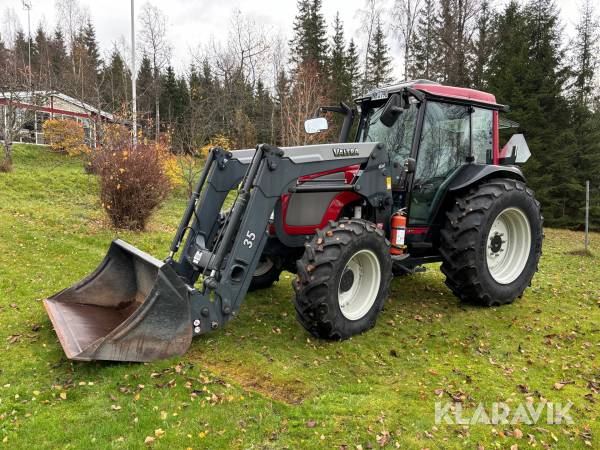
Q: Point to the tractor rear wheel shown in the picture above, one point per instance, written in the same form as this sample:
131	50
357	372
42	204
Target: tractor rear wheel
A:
492	242
266	273
269	267
343	279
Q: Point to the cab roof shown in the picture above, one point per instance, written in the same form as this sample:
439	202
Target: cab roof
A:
433	89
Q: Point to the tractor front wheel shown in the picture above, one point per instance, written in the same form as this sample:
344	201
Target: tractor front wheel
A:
492	242
343	279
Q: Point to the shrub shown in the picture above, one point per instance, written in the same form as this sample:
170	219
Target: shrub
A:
133	182
113	136
218	141
183	170
65	136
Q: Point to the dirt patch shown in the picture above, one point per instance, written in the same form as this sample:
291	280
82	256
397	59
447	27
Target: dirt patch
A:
581	252
292	392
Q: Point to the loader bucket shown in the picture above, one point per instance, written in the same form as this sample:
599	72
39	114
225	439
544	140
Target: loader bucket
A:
133	307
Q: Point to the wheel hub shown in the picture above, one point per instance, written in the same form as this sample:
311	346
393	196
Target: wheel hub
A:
347	280
509	245
359	284
496	243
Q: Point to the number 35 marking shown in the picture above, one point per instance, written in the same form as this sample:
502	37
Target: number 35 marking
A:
251	236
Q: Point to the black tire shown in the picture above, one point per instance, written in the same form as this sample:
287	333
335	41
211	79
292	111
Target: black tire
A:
320	272
262	280
464	241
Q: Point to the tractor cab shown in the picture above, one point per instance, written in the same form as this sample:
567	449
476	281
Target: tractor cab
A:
430	132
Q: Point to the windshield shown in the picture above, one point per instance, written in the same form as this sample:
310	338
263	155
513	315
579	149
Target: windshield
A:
397	139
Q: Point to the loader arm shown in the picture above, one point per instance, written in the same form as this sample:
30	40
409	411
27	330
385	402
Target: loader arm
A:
134	307
227	268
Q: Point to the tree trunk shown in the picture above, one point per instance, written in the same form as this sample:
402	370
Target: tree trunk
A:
6	165
157	106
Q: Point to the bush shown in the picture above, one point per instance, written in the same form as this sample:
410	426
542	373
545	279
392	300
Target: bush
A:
65	136
218	141
115	137
133	182
183	170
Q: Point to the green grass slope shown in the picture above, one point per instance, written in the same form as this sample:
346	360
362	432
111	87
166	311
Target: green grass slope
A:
262	382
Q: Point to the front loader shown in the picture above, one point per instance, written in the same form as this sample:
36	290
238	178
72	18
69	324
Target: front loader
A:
331	214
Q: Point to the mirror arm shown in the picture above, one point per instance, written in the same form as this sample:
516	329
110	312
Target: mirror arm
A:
347	124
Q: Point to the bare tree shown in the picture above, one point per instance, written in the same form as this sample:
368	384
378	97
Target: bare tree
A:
10	25
154	42
404	19
71	17
305	97
15	90
370	16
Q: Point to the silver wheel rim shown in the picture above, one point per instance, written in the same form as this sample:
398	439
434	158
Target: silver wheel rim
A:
508	245
359	284
264	265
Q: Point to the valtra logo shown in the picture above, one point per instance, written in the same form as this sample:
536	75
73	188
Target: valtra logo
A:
341	152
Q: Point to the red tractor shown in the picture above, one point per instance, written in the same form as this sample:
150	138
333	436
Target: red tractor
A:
422	180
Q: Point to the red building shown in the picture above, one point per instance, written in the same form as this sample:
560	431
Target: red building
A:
44	105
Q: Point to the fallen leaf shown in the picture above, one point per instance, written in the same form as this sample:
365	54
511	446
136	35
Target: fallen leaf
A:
149	440
159	432
63	395
518	434
115	407
311	424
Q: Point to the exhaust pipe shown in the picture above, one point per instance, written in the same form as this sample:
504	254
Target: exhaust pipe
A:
133	307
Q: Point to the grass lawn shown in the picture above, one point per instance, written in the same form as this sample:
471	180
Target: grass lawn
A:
262	382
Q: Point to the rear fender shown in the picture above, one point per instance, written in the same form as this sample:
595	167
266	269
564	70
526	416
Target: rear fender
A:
474	173
469	175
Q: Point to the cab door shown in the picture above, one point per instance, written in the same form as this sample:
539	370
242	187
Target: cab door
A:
444	146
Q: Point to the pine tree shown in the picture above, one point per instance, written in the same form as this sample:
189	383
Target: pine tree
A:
309	44
40	57
483	45
282	91
298	44
263	112
59	62
116	83
378	60
586	122
426	46
585	54
317	35
353	69
340	82
91	49
525	72
454	31
21	50
145	92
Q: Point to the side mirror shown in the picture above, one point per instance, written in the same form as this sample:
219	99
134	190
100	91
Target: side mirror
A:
392	110
519	150
316	125
410	164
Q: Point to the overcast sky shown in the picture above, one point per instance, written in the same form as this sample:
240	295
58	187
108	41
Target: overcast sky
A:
193	22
